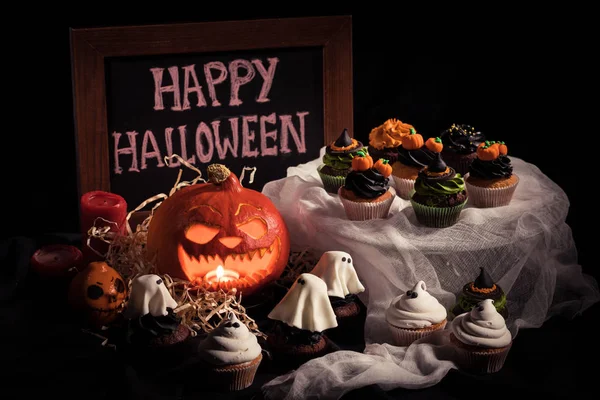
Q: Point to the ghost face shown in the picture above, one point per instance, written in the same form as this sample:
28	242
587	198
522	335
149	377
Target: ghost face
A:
149	295
335	268
485	310
306	305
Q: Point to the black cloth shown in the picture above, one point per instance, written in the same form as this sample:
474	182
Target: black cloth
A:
45	352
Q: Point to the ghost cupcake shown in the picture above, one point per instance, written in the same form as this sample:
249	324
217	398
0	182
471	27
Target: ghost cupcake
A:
481	339
153	329
301	318
414	315
230	355
335	268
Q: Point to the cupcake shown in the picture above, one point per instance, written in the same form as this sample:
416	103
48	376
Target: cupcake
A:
154	332
478	290
230	355
413	156
491	181
367	194
414	315
385	139
336	270
460	146
301	318
337	161
481	339
439	195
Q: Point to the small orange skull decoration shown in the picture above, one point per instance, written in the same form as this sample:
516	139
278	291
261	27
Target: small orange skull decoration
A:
205	226
97	293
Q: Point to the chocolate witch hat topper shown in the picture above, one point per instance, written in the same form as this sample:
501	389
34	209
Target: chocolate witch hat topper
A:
344	140
484	280
437	164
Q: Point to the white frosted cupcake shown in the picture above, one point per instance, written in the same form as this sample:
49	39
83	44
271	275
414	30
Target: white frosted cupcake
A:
414	315
481	338
231	355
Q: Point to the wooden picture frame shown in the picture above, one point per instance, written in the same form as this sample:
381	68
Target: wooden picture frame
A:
90	47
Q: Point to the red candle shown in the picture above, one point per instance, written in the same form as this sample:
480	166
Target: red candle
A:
98	204
57	260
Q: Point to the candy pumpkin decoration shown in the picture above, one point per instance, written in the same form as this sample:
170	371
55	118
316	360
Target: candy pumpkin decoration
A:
383	166
97	293
219	226
362	161
412	141
488	151
503	150
434	144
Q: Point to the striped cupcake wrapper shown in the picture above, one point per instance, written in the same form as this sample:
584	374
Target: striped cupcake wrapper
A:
490	197
331	183
437	217
404	187
362	211
404	337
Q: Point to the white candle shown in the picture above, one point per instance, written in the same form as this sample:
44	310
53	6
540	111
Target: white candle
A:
220	275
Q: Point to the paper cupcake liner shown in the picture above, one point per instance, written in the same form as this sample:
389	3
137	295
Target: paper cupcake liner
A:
362	211
490	197
404	187
437	217
404	337
236	377
480	362
331	183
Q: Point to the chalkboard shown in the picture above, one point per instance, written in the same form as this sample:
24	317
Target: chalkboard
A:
259	93
261	109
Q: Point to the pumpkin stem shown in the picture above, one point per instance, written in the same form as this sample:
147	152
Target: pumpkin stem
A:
217	173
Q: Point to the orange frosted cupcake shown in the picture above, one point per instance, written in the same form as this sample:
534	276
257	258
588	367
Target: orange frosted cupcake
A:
491	181
413	155
385	139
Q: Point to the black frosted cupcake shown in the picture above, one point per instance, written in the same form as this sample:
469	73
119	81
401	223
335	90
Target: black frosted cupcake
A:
478	290
460	146
337	161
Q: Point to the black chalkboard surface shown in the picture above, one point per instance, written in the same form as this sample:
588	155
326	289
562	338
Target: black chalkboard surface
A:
260	109
264	94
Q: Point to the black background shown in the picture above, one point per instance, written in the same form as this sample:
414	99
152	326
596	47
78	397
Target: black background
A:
523	76
297	87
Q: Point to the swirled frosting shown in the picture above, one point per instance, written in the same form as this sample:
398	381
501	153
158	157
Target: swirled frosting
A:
461	139
367	184
438	179
501	167
419	158
415	309
229	343
389	134
338	160
483	327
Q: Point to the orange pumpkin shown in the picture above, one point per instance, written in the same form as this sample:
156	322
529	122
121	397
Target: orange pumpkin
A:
487	151
219	224
502	148
362	161
383	166
434	144
97	294
412	141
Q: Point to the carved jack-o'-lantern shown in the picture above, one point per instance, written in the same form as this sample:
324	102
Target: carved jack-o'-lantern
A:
97	293
219	229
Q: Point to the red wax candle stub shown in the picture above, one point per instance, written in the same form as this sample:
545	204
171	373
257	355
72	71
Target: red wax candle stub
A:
56	260
97	207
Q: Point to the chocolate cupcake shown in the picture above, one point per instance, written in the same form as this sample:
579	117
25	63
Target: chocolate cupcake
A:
385	139
439	195
301	318
478	290
460	146
337	161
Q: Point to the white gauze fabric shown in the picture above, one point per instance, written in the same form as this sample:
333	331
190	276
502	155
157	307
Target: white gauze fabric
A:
526	247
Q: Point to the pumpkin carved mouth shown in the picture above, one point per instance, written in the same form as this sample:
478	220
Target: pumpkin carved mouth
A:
253	266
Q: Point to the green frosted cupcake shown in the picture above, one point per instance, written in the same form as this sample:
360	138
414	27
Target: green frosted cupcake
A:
439	195
483	287
337	161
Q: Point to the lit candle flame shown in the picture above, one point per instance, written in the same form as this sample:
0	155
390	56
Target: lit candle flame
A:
220	272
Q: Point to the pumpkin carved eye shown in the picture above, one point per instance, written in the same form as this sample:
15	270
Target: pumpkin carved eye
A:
255	228
201	234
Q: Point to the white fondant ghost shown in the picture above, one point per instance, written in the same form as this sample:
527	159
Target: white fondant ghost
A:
336	269
149	295
306	305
